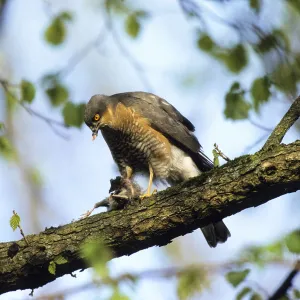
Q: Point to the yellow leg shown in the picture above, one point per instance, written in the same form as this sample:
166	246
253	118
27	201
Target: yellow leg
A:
148	193
129	172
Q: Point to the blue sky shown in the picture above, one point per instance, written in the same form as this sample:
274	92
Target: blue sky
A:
76	172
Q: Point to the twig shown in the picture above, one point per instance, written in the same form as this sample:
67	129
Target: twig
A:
135	64
21	230
154	273
260	126
257	142
284	125
5	84
220	153
287	283
81	54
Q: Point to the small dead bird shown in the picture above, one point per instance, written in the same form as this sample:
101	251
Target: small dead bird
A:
121	194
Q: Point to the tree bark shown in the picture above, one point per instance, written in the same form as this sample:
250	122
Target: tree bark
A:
245	182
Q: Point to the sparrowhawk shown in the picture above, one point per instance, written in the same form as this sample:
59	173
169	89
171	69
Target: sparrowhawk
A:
148	135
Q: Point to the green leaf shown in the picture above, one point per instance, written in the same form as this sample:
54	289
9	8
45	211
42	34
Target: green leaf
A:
55	34
285	77
58	94
293	241
296	294
52	267
15	221
235	87
66	16
27	91
235	59
236	106
256	296
50	80
260	91
60	260
2	126
97	256
132	25
205	43
216	158
7	149
73	114
255	5
245	291
276	39
236	277
189	283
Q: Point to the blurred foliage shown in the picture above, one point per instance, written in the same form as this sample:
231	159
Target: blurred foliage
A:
237	108
293	242
256	296
237	277
36	176
118	295
277	250
295	4
296	294
27	91
255	5
273	46
192	281
73	114
260	91
97	256
56	91
243	292
235	58
7	150
55	33
133	23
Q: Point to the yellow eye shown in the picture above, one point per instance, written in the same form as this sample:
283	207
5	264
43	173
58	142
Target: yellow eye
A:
97	117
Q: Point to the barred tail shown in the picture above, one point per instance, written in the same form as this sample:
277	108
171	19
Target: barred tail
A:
216	233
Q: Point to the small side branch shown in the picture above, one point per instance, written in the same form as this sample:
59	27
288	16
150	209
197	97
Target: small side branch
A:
287	283
284	125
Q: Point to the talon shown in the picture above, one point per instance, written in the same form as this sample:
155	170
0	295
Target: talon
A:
87	214
148	194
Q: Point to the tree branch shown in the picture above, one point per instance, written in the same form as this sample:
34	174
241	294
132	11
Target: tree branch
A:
247	181
284	125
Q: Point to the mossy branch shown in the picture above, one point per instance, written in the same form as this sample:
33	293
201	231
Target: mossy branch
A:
244	182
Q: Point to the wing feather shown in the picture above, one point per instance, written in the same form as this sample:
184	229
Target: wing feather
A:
166	119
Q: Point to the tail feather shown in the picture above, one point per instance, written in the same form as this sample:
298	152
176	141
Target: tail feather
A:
216	233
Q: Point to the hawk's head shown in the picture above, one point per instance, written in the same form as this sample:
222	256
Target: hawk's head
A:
94	111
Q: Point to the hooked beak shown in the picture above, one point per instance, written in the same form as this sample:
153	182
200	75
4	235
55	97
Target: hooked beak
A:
95	134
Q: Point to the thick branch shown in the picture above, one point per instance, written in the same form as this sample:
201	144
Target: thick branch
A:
284	125
247	181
